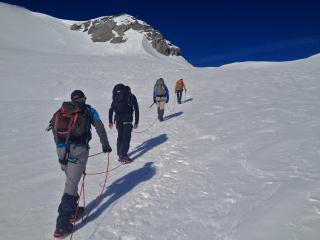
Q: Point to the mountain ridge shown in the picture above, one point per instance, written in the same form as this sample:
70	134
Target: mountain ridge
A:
113	28
43	33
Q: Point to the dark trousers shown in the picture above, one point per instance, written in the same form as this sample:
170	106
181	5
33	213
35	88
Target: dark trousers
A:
179	95
124	137
66	208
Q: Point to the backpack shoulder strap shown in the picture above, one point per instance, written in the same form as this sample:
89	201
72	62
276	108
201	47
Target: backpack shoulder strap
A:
88	113
129	96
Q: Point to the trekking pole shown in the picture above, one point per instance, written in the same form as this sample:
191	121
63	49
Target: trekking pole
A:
151	105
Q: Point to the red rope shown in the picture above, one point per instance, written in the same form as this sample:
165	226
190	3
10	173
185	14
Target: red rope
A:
105	180
99	173
84	200
98	198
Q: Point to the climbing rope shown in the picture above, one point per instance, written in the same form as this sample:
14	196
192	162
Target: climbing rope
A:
169	108
104	172
148	128
82	191
95	154
98	198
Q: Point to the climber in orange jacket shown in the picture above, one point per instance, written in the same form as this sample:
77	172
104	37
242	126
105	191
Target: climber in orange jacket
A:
178	89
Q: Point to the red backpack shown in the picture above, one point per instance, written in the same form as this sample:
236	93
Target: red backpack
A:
69	123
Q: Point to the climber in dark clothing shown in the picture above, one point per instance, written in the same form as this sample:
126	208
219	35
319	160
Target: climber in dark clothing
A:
124	104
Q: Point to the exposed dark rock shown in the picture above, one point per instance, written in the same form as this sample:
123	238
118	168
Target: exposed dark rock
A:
102	30
120	29
76	27
140	27
118	40
86	26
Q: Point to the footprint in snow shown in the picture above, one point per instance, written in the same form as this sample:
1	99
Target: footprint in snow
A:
208	137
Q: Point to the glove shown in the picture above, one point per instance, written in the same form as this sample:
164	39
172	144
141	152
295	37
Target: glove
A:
136	125
110	125
106	149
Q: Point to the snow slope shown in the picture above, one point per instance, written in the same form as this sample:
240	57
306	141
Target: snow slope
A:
238	160
25	30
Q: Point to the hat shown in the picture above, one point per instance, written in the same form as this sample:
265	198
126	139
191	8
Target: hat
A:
76	94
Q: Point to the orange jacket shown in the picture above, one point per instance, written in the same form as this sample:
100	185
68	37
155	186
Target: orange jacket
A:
180	86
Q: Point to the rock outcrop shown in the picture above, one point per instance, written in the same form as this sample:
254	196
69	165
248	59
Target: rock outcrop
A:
113	28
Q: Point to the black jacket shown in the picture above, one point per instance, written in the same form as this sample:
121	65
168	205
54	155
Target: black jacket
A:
126	117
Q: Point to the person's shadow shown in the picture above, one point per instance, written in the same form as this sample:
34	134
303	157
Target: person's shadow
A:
117	190
188	100
173	115
147	146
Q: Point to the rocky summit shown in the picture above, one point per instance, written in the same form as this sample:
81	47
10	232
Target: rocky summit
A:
113	29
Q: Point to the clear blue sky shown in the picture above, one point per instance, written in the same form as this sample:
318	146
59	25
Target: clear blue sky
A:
211	33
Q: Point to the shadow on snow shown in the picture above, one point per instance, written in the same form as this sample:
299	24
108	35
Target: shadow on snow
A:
173	115
188	100
147	146
117	190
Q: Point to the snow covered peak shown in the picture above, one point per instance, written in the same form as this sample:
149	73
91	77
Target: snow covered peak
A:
113	29
116	35
126	19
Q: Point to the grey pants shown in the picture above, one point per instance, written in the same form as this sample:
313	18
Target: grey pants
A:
77	162
161	101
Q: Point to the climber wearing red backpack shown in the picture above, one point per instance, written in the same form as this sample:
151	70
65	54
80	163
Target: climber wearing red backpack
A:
178	89
71	127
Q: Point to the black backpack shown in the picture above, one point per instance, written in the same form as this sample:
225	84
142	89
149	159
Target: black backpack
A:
122	99
71	123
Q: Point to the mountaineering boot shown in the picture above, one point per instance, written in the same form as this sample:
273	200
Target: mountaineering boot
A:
66	209
77	214
63	232
125	159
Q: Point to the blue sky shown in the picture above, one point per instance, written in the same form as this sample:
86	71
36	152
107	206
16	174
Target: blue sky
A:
212	33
